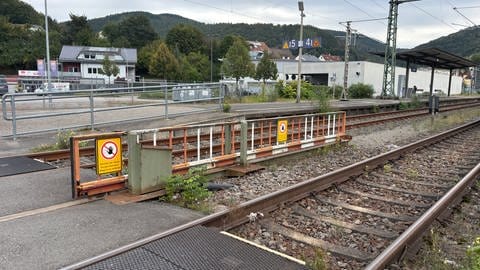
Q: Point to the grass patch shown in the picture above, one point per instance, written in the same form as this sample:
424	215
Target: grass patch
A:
62	142
319	261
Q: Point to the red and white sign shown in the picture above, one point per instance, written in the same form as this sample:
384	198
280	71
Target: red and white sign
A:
29	73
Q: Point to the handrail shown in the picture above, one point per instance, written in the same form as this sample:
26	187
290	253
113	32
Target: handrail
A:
172	94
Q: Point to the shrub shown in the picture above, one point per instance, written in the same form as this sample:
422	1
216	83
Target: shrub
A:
188	190
268	94
226	107
62	142
289	90
473	254
360	90
403	106
322	95
415	102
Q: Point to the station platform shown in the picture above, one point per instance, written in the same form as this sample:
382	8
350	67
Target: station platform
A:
41	227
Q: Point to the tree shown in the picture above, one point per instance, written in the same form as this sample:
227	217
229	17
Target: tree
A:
194	67
109	68
78	32
225	44
137	30
185	39
134	31
475	58
112	33
237	62
163	63
266	69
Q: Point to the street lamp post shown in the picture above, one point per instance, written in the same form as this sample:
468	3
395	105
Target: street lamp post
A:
300	47
47	48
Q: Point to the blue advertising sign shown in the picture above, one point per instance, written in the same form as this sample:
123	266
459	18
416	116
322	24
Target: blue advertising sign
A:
41	67
53	68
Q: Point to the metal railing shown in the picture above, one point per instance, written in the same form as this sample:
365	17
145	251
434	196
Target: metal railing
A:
221	144
213	145
53	111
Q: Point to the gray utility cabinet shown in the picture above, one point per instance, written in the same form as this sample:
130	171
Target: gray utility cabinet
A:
149	167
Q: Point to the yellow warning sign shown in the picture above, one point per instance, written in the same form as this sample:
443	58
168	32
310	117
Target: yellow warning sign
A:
108	155
282	131
285	45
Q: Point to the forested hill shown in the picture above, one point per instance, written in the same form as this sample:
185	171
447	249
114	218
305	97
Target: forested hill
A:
464	43
273	35
162	23
18	12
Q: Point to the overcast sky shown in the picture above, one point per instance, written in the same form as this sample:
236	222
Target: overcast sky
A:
418	22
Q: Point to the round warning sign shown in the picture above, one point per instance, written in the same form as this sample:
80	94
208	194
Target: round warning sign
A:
282	133
109	155
109	150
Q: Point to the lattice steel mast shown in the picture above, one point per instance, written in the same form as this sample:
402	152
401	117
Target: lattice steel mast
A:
388	88
348	38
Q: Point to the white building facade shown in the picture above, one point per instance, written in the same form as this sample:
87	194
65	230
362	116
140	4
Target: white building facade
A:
86	62
330	73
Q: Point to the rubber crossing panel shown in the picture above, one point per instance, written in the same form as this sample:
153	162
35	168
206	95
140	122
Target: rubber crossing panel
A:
19	165
198	248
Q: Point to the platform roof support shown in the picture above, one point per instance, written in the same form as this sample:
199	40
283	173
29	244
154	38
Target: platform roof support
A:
407	76
450	81
432	79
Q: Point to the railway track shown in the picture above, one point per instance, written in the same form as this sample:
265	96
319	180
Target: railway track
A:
355	213
353	122
357	219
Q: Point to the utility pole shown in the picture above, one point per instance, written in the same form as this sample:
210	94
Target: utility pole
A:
348	42
348	39
300	47
388	88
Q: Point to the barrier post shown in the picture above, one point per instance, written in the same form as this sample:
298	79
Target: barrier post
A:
243	143
133	162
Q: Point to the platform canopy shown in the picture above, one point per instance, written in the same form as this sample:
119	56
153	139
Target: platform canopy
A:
434	58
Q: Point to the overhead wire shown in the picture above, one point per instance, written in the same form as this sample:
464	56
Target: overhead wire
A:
433	16
226	10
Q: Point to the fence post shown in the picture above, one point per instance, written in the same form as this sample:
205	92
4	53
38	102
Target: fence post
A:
14	118
243	143
166	102
221	96
228	138
92	116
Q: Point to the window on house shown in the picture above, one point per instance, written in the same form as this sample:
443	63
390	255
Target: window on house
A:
90	56
89	71
73	69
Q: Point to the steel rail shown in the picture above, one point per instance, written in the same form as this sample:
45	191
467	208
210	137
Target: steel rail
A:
446	107
415	230
231	218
